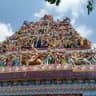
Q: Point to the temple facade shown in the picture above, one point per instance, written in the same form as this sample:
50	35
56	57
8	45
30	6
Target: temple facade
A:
47	58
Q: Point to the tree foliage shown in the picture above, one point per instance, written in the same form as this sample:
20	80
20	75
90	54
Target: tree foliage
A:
90	5
54	1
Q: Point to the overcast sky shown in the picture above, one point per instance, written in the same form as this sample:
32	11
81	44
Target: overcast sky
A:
14	12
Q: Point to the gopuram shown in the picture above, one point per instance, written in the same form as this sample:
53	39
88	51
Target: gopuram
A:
47	58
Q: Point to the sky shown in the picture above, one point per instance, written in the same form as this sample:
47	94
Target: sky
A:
14	12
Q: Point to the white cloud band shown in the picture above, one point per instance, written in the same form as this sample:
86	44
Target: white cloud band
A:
5	31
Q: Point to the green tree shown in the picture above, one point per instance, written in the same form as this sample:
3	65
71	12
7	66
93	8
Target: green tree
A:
90	5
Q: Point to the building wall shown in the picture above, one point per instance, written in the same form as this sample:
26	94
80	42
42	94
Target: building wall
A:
85	89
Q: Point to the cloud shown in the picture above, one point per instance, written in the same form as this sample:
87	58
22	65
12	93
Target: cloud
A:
5	31
93	45
84	31
74	7
41	13
71	8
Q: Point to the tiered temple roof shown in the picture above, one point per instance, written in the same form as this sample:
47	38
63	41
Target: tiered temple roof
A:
47	45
